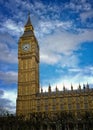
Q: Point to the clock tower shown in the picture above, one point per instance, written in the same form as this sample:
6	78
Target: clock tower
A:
28	67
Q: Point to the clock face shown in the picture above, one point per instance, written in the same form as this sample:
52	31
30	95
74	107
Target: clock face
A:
26	47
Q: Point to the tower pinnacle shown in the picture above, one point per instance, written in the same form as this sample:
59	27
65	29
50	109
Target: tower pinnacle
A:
28	21
28	25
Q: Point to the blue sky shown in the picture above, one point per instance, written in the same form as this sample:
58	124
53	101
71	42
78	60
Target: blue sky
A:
64	29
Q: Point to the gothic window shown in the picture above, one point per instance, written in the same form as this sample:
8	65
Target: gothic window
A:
38	105
26	64
85	99
86	105
26	77
46	101
26	90
38	108
38	102
61	106
78	106
46	104
30	64
46	107
69	100
54	101
53	107
61	99
69	106
77	99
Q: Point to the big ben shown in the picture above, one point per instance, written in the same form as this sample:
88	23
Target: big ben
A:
28	68
30	100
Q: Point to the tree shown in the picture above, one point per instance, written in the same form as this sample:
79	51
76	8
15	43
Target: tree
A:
87	119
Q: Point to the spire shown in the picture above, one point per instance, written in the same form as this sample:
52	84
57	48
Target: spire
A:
84	86
87	86
28	25
63	87
79	86
41	90
49	88
56	89
28	21
71	87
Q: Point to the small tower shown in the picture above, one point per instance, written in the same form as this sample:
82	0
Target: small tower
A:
87	86
41	90
79	87
56	89
49	88
84	87
71	87
64	87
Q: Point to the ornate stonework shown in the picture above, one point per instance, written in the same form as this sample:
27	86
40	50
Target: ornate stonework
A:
30	99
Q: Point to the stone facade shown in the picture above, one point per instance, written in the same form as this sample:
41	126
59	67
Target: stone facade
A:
30	99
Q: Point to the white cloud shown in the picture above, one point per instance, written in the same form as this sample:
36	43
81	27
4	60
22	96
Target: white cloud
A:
61	45
9	76
11	95
39	5
85	15
69	79
13	27
78	5
50	58
8	39
8	100
85	70
6	54
48	26
69	60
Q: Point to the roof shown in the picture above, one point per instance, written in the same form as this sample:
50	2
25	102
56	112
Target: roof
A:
29	30
28	21
65	93
28	33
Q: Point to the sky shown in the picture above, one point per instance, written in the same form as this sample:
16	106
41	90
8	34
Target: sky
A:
64	30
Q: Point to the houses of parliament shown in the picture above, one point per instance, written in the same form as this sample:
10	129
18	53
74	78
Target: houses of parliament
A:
31	98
